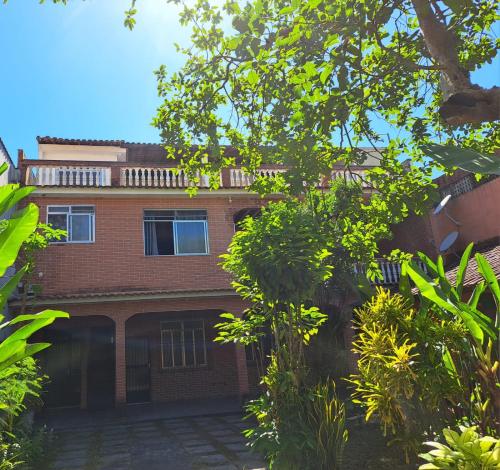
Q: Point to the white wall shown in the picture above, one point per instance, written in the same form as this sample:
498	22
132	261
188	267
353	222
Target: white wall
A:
92	153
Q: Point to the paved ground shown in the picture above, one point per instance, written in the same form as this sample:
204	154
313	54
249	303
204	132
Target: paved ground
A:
191	443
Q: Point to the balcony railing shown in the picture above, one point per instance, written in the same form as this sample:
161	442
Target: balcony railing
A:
357	176
68	176
239	179
142	177
391	272
118	174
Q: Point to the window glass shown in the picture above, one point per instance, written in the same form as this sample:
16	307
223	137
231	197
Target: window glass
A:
190	215
190	237
81	228
159	238
82	210
78	221
189	347
183	344
58	221
175	232
58	209
178	347
167	348
160	215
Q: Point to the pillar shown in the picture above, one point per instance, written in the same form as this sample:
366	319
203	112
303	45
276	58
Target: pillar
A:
241	370
120	364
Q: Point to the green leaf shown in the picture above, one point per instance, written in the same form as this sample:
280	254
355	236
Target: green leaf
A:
467	159
252	77
489	275
431	266
11	194
476	294
435	295
464	261
18	229
52	314
9	287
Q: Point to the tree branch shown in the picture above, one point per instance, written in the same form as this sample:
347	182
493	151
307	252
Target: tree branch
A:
463	102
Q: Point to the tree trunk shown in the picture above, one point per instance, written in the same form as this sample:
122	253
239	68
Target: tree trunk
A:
463	102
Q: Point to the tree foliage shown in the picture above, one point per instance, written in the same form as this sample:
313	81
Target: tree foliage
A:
278	261
306	83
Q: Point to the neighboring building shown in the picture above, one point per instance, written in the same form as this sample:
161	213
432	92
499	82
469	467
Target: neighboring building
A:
471	214
139	273
10	176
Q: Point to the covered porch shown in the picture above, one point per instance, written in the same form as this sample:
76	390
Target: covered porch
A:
110	354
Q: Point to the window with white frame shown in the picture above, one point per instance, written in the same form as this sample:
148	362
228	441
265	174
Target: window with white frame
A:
175	232
78	221
183	344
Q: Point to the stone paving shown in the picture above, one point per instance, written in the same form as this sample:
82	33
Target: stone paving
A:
193	443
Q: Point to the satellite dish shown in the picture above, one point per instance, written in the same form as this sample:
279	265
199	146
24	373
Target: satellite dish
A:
441	205
448	241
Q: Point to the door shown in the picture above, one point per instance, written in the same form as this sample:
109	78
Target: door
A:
62	364
138	370
101	368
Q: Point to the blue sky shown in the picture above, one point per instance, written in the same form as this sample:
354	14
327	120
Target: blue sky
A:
75	71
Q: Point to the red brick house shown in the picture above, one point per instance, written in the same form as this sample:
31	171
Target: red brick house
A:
138	273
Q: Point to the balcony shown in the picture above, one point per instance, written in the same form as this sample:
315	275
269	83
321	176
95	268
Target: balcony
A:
68	176
391	272
239	179
75	174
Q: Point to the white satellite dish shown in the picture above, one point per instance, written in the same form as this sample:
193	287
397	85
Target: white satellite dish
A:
441	205
448	241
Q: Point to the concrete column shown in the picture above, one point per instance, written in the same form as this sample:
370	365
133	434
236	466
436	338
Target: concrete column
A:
242	370
120	365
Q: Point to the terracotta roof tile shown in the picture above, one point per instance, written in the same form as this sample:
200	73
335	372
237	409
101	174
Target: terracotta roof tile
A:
62	141
472	276
134	293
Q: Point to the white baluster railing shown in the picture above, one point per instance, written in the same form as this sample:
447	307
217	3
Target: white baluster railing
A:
354	176
239	179
68	176
146	177
391	272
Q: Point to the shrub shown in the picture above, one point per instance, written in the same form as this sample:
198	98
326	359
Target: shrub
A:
402	378
299	430
465	451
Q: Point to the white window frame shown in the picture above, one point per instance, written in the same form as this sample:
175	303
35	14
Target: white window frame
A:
183	347
175	222
68	223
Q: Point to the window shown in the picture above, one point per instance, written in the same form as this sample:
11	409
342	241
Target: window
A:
175	232
183	344
78	221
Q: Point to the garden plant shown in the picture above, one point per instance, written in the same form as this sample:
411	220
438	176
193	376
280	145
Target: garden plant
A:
430	360
20	379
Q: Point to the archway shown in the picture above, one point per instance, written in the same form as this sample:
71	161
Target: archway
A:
80	363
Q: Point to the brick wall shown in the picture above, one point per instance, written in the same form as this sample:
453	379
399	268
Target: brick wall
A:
116	260
218	378
221	377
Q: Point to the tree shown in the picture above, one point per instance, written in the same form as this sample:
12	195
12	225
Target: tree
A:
278	261
305	83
